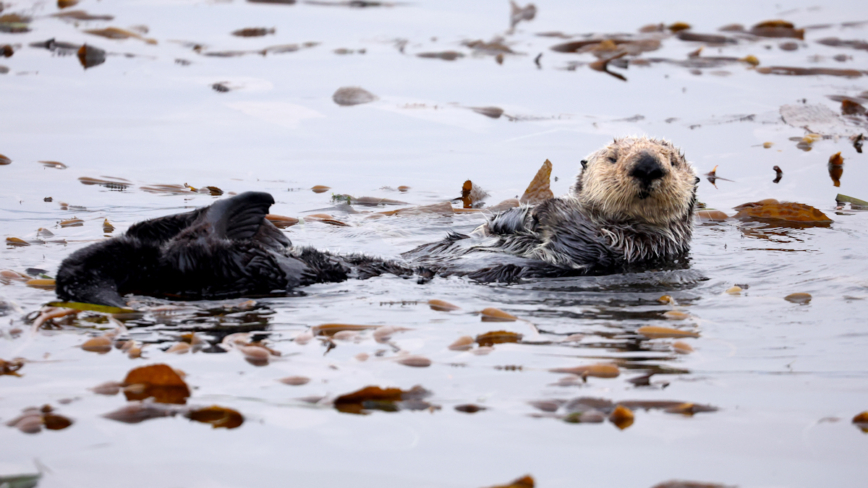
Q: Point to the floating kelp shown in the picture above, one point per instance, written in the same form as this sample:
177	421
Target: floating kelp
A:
777	28
385	399
253	32
795	71
786	211
444	55
119	34
81	16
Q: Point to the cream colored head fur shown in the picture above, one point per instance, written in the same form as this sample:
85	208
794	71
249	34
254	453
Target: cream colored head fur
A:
606	188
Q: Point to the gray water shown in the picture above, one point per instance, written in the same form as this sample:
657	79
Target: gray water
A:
786	378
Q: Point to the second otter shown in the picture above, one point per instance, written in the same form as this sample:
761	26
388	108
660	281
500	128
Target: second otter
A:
630	207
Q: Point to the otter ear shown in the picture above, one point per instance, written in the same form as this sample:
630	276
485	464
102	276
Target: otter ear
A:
696	180
584	163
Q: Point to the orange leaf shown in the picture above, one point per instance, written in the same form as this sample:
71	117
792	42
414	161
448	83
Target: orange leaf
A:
539	188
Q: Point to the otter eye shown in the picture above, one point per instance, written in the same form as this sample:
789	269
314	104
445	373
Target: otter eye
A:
584	163
613	159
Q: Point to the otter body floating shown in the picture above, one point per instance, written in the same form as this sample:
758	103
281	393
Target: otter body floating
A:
630	208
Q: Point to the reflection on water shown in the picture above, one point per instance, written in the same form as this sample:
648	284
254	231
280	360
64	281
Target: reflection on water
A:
666	367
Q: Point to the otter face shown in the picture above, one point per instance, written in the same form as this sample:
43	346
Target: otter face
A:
637	178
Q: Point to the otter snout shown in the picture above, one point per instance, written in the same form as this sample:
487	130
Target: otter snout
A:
647	169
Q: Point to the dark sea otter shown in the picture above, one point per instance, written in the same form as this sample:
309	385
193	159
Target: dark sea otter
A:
631	208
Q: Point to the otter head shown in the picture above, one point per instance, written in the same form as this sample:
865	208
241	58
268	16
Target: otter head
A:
637	179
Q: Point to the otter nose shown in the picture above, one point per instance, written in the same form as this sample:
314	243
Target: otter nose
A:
647	169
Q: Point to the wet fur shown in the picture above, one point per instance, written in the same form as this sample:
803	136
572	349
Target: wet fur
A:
609	222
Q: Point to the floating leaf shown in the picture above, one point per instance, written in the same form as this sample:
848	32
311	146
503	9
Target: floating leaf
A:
523	482
492	314
403	189
444	209
493	112
376	398
90	307
463	343
655	332
179	348
116	33
73	222
469	408
836	168
682	347
16	242
622	417
855	202
497	337
735	290
218	417
689	409
253	32
169	188
441	306
295	380
331	329
11	367
107	227
326	219
415	361
134	413
676	315
320	188
280	221
444	55
539	189
100	345
800	298
383	334
160	382
713	215
777	28
53	421
600	370
4	160
352	95
53	164
66	3
81	15
786	211
790	70
255	355
42	284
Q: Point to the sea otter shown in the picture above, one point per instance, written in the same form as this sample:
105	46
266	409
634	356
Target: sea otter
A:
631	207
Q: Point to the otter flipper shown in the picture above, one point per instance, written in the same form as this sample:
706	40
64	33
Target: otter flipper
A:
240	217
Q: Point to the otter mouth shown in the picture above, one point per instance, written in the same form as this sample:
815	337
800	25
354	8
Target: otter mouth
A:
644	193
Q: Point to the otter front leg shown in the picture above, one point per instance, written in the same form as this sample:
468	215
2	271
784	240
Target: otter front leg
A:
512	221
